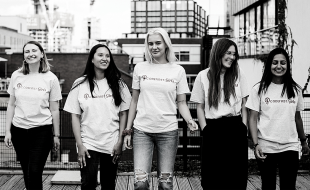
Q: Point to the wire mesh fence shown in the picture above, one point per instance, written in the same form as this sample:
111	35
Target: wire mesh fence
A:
66	157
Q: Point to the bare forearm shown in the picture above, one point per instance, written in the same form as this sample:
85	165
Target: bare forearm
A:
9	117
201	116
253	126
122	124
299	126
76	128
184	111
55	116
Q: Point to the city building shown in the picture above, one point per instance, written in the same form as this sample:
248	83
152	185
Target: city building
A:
181	18
13	33
254	25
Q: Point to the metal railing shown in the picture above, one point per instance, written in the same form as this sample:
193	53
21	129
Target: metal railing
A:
257	43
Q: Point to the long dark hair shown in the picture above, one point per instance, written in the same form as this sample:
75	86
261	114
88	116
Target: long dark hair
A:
112	74
289	84
231	75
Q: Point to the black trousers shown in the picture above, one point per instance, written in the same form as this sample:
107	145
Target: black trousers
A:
107	171
287	162
32	147
225	151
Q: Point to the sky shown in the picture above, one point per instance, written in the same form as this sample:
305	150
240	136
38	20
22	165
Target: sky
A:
114	15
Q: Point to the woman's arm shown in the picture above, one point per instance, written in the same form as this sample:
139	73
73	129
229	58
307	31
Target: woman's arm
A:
184	111
253	130
201	116
244	111
54	108
301	133
131	116
77	135
9	118
117	149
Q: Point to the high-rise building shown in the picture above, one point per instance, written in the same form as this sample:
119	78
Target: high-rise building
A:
181	18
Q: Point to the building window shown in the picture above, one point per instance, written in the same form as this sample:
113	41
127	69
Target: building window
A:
191	81
153	14
140	5
181	5
241	25
168	13
168	24
168	19
181	18
153	5
181	13
168	5
154	19
182	55
140	14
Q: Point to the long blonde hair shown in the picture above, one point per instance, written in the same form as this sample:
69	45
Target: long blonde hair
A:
44	64
170	56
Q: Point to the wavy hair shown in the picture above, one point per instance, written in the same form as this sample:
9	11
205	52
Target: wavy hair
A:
218	51
290	86
112	74
170	56
44	64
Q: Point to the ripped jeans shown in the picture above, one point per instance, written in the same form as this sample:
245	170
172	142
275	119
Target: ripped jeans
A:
143	145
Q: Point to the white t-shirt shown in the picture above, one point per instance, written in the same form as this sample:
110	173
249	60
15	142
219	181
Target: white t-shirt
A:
99	115
33	92
200	95
159	85
276	126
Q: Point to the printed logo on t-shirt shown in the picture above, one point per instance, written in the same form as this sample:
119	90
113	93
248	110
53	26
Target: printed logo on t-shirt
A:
20	86
268	100
144	77
87	96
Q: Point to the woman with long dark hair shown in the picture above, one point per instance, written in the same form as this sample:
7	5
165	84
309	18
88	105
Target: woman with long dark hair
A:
275	122
98	103
220	92
159	88
33	113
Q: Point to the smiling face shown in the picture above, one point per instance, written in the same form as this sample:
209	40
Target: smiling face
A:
157	46
279	65
32	54
228	58
101	59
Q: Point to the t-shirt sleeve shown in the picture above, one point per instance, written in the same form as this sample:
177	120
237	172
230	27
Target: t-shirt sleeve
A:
198	92
72	104
300	103
182	86
253	102
126	97
55	93
10	88
244	85
135	78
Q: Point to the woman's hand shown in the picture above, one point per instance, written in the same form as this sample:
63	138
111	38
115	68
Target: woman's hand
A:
127	141
56	144
192	125
7	140
259	153
117	152
82	151
305	148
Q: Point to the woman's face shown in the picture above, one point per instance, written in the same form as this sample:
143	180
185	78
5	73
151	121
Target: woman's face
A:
157	46
279	65
32	54
229	57
101	59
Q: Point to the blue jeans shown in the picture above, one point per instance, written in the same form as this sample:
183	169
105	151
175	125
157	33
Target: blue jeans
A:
143	144
32	147
107	171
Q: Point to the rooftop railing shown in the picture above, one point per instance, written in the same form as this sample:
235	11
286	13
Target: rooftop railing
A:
257	43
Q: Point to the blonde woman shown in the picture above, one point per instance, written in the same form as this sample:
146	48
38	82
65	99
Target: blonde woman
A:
159	89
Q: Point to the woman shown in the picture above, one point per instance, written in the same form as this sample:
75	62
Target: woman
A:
99	103
220	92
275	122
159	87
33	114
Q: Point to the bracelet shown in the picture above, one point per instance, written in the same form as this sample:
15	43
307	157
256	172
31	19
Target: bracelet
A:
255	145
127	132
